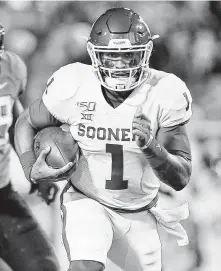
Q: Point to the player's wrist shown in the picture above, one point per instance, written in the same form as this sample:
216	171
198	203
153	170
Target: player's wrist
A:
27	160
155	153
149	141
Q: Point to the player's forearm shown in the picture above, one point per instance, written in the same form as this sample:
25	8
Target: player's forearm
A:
171	169
24	139
24	134
175	172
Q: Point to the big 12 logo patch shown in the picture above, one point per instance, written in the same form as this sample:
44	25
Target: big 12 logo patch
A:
87	110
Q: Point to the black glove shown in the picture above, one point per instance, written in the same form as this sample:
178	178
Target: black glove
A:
47	191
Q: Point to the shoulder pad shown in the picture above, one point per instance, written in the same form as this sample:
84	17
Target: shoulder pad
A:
174	100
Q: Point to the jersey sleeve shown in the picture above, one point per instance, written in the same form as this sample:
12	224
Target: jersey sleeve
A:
61	88
175	106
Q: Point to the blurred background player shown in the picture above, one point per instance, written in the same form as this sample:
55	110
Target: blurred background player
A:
129	120
23	245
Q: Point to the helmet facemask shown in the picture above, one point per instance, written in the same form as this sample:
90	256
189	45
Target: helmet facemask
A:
126	78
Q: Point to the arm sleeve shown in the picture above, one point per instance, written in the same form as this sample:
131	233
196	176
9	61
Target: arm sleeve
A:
40	117
175	140
176	107
61	88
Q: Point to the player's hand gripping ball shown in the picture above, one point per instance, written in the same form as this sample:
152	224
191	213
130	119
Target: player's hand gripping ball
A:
57	153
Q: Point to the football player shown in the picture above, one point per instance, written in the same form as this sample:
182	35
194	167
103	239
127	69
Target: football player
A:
130	123
23	246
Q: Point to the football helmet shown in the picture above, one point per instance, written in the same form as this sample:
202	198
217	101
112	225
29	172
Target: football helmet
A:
120	35
2	34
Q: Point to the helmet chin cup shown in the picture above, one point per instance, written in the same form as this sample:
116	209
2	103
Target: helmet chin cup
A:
120	30
123	83
118	84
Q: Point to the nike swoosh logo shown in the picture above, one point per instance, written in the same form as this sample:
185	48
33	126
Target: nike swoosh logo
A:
3	85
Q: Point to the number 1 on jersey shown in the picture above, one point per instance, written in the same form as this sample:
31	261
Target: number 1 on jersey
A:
116	182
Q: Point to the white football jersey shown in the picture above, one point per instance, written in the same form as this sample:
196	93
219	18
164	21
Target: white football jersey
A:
112	168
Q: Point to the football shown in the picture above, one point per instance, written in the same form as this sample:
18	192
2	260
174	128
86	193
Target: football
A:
64	148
